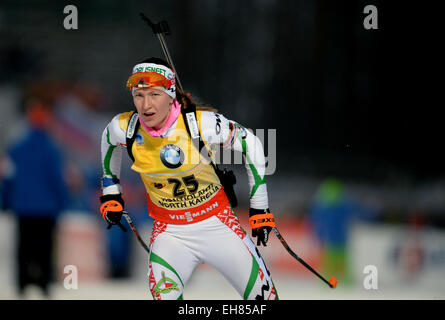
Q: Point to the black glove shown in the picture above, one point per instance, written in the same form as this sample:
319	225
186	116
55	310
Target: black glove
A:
262	222
112	209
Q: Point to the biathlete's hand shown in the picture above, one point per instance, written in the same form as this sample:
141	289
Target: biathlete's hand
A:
262	222
112	209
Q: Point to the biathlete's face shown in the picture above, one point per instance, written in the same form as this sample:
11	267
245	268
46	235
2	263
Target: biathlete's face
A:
153	106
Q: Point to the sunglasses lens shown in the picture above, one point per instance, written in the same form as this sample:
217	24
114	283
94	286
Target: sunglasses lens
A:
147	80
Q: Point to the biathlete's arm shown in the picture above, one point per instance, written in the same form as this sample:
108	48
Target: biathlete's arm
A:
219	131
112	143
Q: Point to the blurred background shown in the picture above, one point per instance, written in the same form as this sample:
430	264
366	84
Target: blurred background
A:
359	178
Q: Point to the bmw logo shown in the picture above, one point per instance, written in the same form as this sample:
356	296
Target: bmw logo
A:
172	156
139	139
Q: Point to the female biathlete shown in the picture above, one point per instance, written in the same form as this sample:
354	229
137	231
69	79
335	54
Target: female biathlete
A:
193	218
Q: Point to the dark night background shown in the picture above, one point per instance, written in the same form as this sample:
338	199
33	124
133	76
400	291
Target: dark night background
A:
361	105
344	100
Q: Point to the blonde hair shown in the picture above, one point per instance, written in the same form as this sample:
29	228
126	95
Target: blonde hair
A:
184	99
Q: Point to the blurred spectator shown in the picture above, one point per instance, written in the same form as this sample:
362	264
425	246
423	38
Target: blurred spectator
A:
35	191
331	213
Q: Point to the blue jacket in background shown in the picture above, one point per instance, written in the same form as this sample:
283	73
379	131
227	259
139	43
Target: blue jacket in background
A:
36	187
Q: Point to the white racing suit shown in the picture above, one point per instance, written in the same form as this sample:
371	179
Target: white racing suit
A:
193	219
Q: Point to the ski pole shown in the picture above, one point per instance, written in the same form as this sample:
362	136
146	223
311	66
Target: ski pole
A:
135	231
159	29
331	283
